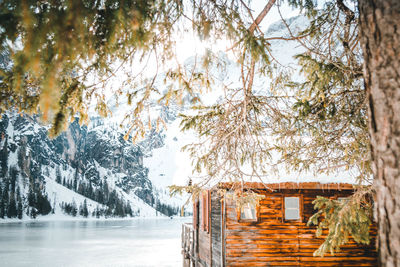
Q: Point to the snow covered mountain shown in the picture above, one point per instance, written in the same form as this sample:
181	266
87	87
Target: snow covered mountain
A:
91	164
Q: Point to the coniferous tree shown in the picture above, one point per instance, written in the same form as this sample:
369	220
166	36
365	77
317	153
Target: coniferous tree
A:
5	201
381	45
21	159
31	196
2	204
12	206
58	174
13	177
129	209
33	213
74	209
89	191
80	210
43	203
97	212
75	184
85	211
105	192
20	208
4	158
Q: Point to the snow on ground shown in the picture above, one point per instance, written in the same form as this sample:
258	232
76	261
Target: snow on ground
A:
169	165
58	194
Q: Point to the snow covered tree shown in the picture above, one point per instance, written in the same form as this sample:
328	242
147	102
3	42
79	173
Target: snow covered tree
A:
83	210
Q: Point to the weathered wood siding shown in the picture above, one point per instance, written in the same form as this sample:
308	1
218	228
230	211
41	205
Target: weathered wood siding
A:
204	247
216	233
275	242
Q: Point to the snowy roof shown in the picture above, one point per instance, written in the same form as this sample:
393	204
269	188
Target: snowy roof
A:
286	185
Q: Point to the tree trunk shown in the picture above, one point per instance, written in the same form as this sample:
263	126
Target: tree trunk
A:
380	40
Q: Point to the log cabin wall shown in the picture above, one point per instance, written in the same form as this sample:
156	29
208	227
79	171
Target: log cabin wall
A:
216	230
204	234
272	241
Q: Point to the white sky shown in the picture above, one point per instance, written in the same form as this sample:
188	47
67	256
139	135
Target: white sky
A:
190	44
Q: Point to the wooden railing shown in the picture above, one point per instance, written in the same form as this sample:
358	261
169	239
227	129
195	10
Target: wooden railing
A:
188	241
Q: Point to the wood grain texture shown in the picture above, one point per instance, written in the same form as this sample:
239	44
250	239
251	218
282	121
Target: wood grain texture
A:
216	230
273	241
276	242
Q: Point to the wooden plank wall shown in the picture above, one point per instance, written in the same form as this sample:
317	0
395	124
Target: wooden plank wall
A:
274	242
216	233
204	251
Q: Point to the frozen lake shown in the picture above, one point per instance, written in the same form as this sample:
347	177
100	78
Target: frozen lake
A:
137	242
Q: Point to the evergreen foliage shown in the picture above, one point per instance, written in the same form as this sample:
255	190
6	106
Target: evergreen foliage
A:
344	218
2	204
69	208
20	208
4	158
55	45
58	175
113	204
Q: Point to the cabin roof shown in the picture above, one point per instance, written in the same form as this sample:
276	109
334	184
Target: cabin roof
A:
285	185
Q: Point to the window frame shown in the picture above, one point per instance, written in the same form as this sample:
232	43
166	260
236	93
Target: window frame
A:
257	220
300	219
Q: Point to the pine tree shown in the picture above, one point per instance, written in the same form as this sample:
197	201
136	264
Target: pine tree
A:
33	213
21	159
42	204
98	212
31	196
13	177
381	45
80	210
105	192
2	205
12	206
129	209
20	208
75	185
74	209
85	211
4	158
5	201
58	175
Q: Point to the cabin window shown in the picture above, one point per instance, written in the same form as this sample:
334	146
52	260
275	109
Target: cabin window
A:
292	208
248	212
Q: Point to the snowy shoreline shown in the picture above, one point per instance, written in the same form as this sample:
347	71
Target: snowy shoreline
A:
58	218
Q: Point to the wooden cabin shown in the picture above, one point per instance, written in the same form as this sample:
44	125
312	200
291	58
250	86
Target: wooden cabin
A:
272	233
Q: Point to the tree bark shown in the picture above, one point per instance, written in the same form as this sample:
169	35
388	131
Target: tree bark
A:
380	40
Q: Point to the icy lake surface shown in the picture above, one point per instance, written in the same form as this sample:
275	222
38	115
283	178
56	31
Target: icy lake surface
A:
138	242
